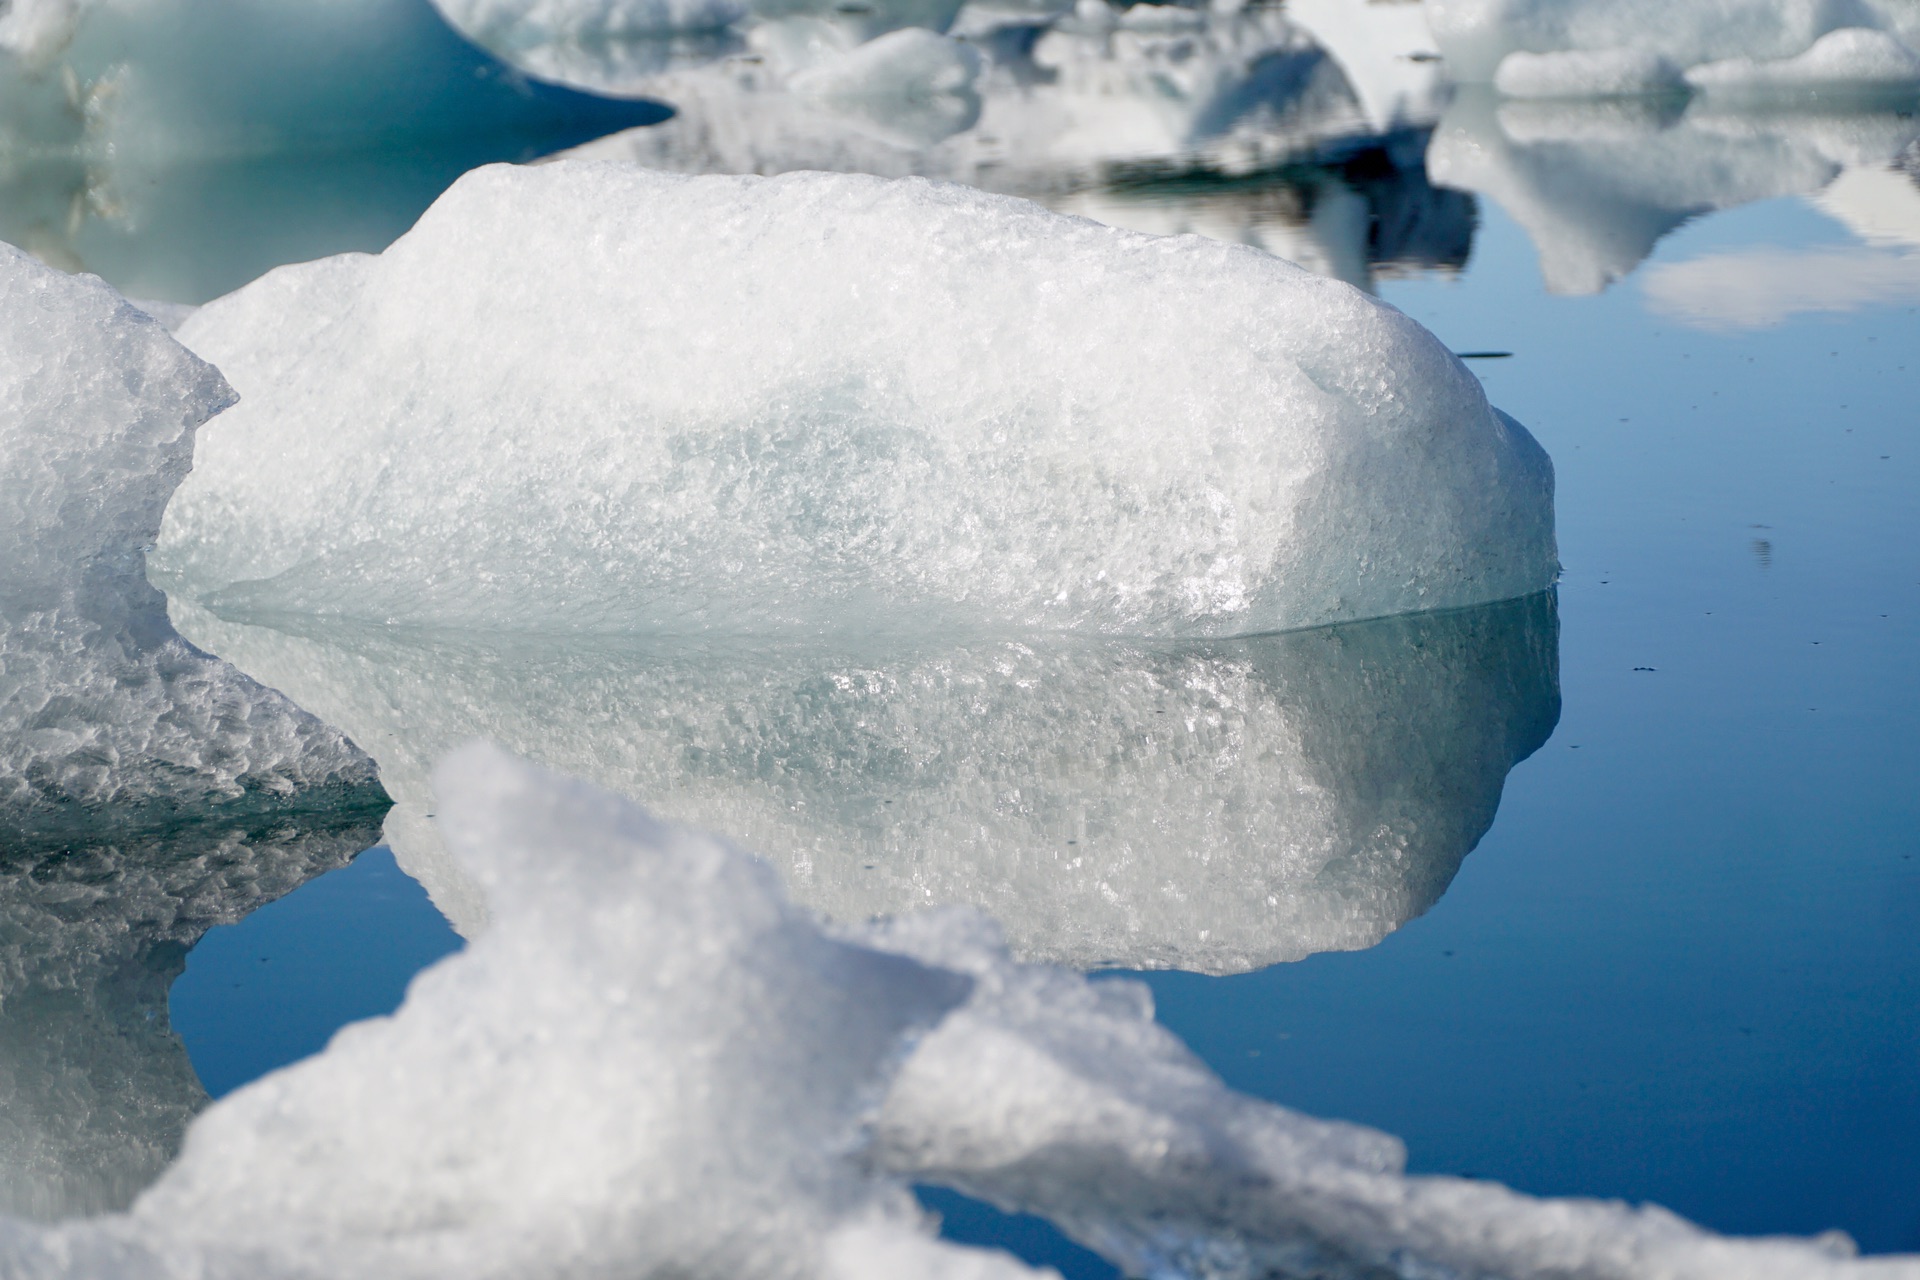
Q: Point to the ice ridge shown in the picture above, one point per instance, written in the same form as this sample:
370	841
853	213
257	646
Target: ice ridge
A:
589	397
654	1066
106	714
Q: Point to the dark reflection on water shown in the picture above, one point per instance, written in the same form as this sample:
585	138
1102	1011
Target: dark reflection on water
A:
95	1087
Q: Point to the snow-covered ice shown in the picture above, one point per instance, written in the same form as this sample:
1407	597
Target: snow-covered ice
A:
1217	807
104	709
653	1066
590	397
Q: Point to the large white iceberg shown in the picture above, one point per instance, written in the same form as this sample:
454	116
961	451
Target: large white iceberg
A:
653	1066
104	709
1218	807
589	397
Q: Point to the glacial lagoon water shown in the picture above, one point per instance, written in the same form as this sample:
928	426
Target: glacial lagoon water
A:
1648	932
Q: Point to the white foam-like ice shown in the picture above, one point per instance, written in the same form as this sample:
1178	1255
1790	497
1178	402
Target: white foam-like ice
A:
590	397
1215	807
652	1066
103	707
1477	35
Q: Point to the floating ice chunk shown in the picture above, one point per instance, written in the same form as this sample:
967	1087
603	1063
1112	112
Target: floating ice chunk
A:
585	396
1605	73
1477	35
520	23
1218	807
1850	58
102	705
653	1066
95	1089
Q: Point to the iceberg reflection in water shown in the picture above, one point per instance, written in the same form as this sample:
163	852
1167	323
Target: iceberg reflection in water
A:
95	1087
1597	184
1216	806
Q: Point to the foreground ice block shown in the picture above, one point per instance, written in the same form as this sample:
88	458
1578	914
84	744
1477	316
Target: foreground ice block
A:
1218	806
594	398
653	1066
95	1089
103	707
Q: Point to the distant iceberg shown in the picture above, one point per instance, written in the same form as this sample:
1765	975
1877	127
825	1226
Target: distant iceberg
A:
654	1066
586	397
1217	806
104	710
1541	48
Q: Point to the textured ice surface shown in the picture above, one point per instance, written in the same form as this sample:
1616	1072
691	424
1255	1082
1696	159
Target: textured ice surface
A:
1217	807
585	396
95	1089
1476	35
653	1067
103	707
1597	184
650	1066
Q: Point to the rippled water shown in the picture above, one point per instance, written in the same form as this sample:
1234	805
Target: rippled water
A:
1609	892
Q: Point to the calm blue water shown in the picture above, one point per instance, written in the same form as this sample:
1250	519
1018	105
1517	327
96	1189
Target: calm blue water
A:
1682	965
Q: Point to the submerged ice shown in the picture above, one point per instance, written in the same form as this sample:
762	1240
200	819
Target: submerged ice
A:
106	714
590	397
653	1066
